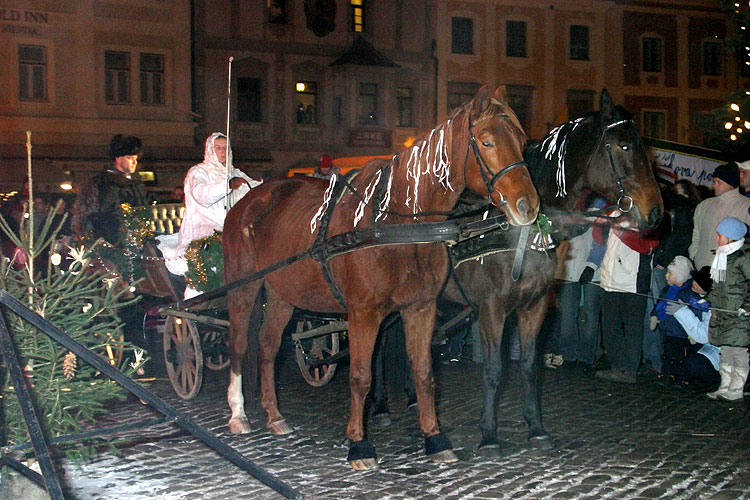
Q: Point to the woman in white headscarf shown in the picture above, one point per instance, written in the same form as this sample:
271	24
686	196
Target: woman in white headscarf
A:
205	191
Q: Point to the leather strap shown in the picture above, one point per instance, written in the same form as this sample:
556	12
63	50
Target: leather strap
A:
520	249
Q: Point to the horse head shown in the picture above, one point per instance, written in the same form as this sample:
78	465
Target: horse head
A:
601	152
496	168
634	188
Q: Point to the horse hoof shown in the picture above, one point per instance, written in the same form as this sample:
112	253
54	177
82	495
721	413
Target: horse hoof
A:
490	451
381	419
364	464
542	442
411	404
279	428
444	457
239	426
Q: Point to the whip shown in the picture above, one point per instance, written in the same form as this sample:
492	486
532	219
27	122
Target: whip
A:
227	166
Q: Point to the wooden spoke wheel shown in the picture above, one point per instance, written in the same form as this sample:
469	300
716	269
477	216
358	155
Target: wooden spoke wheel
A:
215	350
183	356
314	348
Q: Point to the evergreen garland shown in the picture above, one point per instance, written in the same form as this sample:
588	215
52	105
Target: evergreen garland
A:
205	263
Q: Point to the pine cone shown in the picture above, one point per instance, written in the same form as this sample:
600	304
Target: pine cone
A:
69	365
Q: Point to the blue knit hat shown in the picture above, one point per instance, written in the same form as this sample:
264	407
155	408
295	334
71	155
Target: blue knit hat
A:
732	228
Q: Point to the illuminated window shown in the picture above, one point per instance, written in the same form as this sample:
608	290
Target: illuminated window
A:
652	54
152	79
712	55
515	39
579	43
358	15
367	104
404	105
32	72
462	29
248	99
116	77
307	103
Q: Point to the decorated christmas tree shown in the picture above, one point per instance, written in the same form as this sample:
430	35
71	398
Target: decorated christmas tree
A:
59	283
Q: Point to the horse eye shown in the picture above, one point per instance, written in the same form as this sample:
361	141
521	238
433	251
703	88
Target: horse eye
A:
487	144
625	147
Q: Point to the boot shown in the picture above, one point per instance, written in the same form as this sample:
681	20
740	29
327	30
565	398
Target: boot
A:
725	370
736	385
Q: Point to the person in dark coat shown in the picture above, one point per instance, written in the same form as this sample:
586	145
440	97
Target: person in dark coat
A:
98	209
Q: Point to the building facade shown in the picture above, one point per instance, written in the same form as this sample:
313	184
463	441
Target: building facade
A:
78	72
665	61
343	77
346	78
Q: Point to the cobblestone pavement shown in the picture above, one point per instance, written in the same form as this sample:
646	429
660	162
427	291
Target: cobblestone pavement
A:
612	441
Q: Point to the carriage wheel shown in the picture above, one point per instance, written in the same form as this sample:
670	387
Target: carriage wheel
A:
316	348
183	356
216	350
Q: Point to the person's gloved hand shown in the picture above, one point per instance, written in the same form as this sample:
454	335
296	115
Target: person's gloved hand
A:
586	275
653	322
741	312
673	307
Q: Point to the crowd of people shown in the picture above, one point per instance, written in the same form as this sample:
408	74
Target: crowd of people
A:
670	304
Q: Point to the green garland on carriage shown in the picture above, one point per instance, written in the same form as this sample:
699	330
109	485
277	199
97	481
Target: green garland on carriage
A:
205	263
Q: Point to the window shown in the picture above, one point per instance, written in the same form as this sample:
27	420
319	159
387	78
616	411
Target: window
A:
744	63
519	99
152	79
248	99
459	93
307	102
116	77
367	104
358	15
712	58
276	11
404	105
579	43
515	38
651	54
463	35
654	124
579	102
32	73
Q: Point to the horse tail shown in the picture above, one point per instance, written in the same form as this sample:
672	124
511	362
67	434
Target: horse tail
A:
251	365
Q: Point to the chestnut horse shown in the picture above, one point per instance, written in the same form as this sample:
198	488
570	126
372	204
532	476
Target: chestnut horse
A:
600	152
480	147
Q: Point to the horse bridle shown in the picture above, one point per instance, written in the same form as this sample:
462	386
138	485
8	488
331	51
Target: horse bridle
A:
488	176
624	201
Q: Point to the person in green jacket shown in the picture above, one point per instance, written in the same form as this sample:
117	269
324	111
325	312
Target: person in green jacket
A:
729	327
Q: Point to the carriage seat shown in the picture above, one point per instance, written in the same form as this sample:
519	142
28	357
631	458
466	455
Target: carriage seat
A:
167	217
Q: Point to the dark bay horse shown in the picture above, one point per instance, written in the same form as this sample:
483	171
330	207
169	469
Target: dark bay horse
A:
479	147
600	152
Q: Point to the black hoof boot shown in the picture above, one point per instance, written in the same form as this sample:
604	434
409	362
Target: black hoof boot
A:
362	455
439	449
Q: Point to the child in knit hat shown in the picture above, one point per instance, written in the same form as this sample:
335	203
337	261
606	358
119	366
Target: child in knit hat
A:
676	344
729	326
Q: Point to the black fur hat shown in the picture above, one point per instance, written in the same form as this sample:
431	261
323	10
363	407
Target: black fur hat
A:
124	145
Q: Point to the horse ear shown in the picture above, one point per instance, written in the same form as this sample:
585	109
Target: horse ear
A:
480	102
606	106
501	94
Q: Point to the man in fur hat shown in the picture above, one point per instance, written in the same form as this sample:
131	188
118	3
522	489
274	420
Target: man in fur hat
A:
98	210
